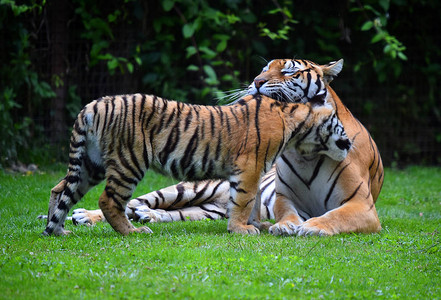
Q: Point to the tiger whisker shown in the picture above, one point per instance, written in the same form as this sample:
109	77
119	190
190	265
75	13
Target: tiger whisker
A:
230	97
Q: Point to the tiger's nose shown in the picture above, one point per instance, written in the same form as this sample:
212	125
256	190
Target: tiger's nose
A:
258	82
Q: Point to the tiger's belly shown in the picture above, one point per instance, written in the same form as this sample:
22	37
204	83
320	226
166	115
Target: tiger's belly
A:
310	183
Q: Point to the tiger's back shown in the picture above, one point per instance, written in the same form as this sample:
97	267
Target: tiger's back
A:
190	142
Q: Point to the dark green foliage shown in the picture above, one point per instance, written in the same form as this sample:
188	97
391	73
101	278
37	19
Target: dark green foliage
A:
197	51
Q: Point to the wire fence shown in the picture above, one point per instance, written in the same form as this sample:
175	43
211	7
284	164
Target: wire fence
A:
401	140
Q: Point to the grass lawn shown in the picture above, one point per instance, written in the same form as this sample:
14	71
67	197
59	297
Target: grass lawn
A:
201	260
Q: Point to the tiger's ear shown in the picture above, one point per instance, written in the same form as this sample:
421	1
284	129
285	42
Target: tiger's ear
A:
331	70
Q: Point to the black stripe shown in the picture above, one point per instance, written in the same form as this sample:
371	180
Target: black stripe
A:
267	201
308	83
72	178
304	215
205	158
264	187
180	189
141	109
199	194
74	144
75	161
335	169
170	146
78	128
375	153
208	216
161	120
293	170
174	170
127	165
157	200
118	182
316	170
250	201
234	203
219	146
152	110
214	192
233	113
135	161
256	124
55	220
212	122
106	105
352	195
96	116
112	112
213	211
188	119
142	115
286	184
62	206
227	121
134	123
190	150
328	196
300	126
68	192
171	117
111	193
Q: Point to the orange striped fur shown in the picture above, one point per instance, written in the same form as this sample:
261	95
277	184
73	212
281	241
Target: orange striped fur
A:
119	138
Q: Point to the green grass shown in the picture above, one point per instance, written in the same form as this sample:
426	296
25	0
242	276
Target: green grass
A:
201	260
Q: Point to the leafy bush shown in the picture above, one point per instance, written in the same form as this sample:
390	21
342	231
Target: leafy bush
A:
199	51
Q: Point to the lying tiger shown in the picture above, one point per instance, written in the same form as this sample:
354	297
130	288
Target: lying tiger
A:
314	195
119	138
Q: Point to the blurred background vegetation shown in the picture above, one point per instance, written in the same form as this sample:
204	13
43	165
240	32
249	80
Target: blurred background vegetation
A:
57	55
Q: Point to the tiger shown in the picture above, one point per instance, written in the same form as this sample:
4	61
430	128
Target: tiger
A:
118	138
305	195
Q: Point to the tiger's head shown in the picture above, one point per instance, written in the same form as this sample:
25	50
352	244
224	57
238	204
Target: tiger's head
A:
295	80
327	136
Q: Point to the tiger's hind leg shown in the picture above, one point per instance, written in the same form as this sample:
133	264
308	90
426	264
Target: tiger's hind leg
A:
113	202
82	176
57	210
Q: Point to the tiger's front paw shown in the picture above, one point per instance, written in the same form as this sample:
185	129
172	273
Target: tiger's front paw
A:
243	229
283	228
314	226
143	229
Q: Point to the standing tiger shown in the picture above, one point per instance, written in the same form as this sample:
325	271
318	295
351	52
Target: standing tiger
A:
306	195
119	138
